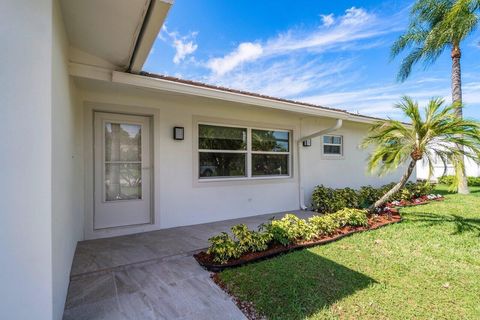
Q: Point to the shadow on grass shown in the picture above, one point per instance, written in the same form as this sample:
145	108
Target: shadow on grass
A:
461	224
294	285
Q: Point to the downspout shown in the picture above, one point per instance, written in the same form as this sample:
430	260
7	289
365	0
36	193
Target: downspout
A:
301	192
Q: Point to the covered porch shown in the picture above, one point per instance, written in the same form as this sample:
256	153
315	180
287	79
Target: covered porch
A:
151	275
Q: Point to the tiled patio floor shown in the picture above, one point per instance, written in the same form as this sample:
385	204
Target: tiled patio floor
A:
151	275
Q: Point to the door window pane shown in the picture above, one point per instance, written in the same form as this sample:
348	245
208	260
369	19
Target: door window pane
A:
270	164
123	142
123	181
222	138
269	140
222	164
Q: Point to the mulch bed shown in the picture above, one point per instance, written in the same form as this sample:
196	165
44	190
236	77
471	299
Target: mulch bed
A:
374	222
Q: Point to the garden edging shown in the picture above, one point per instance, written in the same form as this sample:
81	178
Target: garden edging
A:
279	249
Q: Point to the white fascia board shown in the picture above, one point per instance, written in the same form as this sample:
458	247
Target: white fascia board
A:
152	24
89	72
189	89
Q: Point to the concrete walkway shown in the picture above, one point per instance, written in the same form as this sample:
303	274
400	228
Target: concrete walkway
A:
151	275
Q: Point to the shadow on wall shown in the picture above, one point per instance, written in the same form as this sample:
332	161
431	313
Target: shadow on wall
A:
303	289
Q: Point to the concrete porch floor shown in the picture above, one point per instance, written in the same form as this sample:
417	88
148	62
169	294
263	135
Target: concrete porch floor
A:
151	275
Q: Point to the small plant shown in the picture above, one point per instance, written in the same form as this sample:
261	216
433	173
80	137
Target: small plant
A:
353	217
449	180
328	200
324	225
250	240
223	248
367	195
290	229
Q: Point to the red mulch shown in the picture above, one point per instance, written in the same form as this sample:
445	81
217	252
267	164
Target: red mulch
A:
374	222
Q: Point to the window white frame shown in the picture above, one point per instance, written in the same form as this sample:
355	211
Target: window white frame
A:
249	152
332	155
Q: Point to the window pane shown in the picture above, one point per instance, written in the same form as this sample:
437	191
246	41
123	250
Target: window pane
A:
332	149
222	164
222	138
270	164
123	142
268	140
123	181
332	139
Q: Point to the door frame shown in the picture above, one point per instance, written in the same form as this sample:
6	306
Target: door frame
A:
89	162
99	165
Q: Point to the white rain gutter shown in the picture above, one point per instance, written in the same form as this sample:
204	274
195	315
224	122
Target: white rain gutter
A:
301	191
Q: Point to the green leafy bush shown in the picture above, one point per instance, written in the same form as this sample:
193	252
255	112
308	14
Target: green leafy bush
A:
448	180
327	200
352	217
324	225
248	240
368	195
288	230
223	248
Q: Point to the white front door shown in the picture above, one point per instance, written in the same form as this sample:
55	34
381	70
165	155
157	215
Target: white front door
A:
122	173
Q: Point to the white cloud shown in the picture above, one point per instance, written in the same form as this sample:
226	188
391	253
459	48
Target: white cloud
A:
183	49
183	45
356	16
379	100
327	20
287	78
246	51
336	34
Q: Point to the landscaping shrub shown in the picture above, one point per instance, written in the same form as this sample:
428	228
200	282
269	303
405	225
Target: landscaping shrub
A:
448	180
250	240
352	217
368	195
288	230
327	200
324	225
223	248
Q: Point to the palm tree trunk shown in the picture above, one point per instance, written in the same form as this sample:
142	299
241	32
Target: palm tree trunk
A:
457	98
396	188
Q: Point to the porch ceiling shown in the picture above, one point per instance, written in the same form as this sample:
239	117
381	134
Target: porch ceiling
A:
108	31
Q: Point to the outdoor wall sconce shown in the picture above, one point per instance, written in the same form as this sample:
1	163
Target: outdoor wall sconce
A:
178	133
307	143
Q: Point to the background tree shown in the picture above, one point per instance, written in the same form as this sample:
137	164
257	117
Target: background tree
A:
435	134
436	25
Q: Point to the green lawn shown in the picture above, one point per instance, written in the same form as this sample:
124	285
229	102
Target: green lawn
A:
426	267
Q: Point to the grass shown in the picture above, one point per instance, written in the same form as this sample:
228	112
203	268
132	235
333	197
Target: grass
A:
427	267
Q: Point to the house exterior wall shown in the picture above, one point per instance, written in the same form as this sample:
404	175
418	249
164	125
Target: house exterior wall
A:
472	169
348	170
67	166
180	199
26	160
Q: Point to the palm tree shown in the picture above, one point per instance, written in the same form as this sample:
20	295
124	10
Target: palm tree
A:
436	133
434	26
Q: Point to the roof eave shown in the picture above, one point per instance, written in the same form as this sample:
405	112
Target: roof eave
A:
153	22
141	81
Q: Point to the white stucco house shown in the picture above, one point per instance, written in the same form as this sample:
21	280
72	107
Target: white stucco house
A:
92	147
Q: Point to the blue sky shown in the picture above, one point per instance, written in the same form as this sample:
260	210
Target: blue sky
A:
331	53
